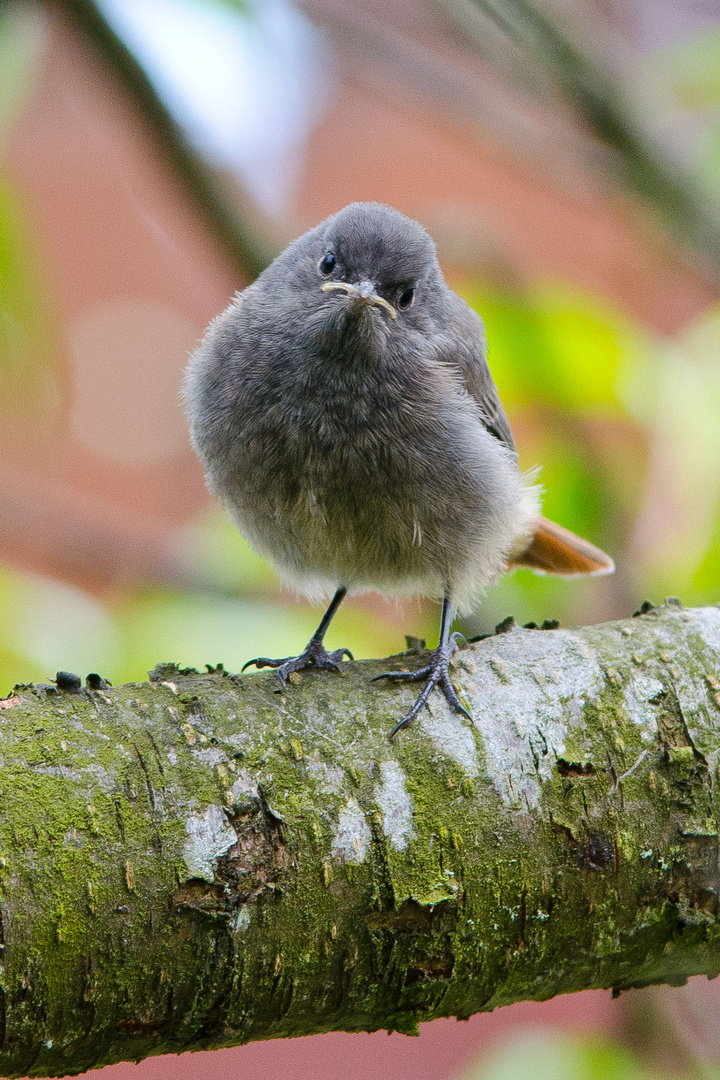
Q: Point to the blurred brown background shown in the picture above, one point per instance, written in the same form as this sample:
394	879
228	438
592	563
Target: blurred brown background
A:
154	154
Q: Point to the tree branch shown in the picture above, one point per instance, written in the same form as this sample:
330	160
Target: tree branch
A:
200	861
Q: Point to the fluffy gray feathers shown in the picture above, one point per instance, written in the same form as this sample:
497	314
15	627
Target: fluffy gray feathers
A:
352	447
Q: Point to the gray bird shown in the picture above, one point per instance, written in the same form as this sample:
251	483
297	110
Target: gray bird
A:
345	414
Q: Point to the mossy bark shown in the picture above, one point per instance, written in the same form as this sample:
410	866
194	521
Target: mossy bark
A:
199	861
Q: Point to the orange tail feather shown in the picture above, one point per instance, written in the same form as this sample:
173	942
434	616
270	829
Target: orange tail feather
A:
555	550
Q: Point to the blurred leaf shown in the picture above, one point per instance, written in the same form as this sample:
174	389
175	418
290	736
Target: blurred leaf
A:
679	401
573	492
556	345
527	597
46	626
545	1055
242	7
28	352
690	71
15	668
709	164
692	67
706	579
21	41
194	629
28	380
216	554
560	359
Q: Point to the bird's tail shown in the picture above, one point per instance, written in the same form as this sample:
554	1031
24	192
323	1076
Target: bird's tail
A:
555	550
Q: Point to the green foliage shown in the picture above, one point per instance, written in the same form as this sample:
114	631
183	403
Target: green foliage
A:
556	346
546	1055
561	360
691	71
44	620
195	629
240	7
28	346
46	626
21	39
213	546
28	377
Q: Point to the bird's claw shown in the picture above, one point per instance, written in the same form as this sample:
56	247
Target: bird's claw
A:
314	655
436	673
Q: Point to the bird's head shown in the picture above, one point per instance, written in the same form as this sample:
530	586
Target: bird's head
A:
362	274
374	256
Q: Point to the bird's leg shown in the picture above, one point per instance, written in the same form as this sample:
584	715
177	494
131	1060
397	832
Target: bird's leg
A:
315	654
436	673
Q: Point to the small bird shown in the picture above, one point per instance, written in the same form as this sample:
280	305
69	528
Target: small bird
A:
344	412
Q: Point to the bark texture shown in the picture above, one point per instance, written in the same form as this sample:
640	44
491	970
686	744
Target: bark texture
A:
199	860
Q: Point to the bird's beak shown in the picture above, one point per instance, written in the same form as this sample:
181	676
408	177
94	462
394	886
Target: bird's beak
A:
363	292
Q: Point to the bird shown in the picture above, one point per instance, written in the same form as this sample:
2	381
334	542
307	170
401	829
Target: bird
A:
344	412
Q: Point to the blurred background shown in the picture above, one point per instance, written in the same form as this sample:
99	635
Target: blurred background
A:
156	154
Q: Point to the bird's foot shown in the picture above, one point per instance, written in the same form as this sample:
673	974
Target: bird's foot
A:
314	655
436	673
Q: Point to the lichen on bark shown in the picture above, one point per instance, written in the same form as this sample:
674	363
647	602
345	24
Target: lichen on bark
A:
199	860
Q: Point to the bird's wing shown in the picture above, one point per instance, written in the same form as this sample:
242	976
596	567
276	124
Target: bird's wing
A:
468	357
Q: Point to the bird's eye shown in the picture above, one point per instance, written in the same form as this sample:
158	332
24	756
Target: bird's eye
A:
405	299
327	263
